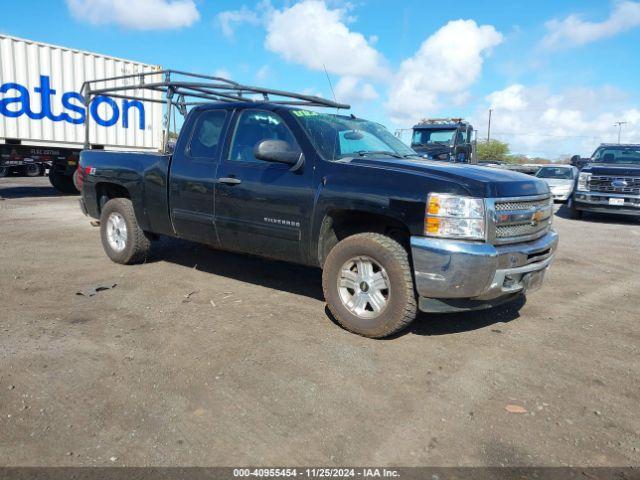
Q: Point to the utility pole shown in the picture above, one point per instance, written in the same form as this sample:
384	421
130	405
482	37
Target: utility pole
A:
489	126
619	125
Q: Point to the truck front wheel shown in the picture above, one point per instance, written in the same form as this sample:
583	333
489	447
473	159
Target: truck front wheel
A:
574	213
122	238
368	285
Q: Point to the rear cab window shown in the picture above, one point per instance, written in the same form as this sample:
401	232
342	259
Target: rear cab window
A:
206	140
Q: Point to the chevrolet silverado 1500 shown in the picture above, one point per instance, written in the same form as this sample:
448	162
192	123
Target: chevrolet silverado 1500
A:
393	233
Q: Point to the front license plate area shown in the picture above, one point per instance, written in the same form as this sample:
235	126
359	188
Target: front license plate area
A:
619	202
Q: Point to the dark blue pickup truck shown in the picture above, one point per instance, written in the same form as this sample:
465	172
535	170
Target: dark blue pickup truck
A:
392	232
609	182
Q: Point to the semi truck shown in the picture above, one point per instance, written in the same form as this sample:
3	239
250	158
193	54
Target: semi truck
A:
445	139
42	112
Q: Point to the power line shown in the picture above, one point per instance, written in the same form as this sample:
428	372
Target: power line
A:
546	135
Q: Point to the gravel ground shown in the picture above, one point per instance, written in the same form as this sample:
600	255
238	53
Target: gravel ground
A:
202	357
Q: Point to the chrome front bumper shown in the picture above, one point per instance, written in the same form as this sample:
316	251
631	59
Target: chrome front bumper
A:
449	270
598	202
561	196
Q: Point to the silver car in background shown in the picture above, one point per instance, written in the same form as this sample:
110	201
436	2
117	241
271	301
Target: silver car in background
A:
561	180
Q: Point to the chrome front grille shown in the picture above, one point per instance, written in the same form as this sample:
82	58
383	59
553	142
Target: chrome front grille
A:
507	205
512	231
614	184
521	219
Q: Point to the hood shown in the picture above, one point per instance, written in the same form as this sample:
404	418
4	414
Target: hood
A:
623	170
558	182
477	181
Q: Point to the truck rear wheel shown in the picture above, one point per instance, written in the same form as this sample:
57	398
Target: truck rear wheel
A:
62	183
33	170
76	184
368	285
122	238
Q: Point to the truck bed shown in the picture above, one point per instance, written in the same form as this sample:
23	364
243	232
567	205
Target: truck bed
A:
144	176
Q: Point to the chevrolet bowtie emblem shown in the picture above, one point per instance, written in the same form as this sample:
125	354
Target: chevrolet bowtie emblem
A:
536	217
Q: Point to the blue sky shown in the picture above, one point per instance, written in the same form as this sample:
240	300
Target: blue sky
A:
557	74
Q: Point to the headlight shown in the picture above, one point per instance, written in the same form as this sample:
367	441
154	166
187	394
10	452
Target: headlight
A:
583	181
452	216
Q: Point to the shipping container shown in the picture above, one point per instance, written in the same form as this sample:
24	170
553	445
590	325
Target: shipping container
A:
42	114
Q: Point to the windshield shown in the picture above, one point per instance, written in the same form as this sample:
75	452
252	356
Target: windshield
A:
338	136
425	137
555	172
616	155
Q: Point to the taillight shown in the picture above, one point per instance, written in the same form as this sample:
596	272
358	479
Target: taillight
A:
80	173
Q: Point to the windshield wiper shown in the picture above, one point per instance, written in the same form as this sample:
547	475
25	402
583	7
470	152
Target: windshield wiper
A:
364	153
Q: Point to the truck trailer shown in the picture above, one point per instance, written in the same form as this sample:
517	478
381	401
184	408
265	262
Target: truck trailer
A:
42	111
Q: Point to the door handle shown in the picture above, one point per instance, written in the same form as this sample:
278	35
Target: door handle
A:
229	180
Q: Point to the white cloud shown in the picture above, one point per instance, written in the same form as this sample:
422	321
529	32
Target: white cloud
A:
445	66
263	73
229	20
353	90
573	31
536	121
511	98
317	34
136	14
223	73
313	35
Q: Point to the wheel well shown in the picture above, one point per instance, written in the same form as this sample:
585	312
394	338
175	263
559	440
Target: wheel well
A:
340	224
107	191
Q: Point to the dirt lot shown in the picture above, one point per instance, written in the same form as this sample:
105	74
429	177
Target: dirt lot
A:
208	358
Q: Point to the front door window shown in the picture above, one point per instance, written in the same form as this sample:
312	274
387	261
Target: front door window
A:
253	127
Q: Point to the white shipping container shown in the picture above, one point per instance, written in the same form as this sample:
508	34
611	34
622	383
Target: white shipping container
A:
40	102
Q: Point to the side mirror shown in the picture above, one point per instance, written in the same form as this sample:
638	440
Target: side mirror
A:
277	151
353	135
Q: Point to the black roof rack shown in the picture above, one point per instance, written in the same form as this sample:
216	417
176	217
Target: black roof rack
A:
183	89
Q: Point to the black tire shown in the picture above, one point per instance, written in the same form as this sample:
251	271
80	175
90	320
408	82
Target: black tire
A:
62	183
137	243
574	213
74	178
400	309
4	171
33	170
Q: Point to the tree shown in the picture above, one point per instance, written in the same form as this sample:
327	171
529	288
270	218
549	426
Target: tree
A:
493	151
